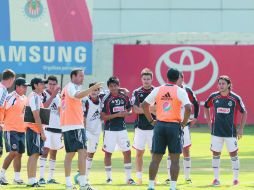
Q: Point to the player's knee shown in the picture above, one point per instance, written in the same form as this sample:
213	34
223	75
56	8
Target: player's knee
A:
140	154
13	154
233	154
216	153
108	155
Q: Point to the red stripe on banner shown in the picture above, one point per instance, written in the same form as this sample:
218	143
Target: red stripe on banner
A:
70	20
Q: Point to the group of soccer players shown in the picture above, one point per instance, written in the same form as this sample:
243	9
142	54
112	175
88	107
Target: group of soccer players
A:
162	121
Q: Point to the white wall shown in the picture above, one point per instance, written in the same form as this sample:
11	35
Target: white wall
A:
150	16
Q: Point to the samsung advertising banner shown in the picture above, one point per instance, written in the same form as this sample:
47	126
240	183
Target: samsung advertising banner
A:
201	65
45	36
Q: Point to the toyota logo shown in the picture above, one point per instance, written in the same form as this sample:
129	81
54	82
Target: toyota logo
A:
188	52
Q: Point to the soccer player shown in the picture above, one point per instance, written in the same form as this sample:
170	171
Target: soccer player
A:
53	132
14	130
35	135
143	129
116	106
169	99
72	123
225	105
92	120
186	136
7	82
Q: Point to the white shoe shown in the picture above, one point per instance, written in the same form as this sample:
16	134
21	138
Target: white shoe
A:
3	181
18	182
86	187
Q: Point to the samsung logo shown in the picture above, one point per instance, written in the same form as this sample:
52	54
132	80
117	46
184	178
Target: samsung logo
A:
43	53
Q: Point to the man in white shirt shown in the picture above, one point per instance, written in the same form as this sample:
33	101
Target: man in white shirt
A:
53	132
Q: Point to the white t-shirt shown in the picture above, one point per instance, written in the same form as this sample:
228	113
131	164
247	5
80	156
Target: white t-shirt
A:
54	120
35	101
73	89
181	94
92	113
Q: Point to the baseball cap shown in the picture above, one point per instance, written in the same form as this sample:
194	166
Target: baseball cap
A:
21	81
38	80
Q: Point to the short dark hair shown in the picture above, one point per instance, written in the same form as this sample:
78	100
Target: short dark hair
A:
227	79
53	78
173	75
75	72
113	80
92	84
37	80
8	74
147	72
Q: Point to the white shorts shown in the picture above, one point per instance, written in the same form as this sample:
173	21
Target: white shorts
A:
186	137
141	138
53	140
113	139
92	142
218	142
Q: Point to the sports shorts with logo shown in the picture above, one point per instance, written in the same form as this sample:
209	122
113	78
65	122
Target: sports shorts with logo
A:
218	142
186	137
92	141
53	139
14	141
113	139
75	140
34	143
167	135
143	138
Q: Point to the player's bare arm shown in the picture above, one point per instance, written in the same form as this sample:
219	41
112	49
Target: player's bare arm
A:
146	108
187	112
107	117
37	119
138	110
208	117
242	124
85	122
85	93
53	95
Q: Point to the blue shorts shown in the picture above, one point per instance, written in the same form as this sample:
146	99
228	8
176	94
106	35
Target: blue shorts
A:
14	141
75	140
167	135
34	143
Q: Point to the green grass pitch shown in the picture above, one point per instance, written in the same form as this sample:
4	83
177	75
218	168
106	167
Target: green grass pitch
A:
201	173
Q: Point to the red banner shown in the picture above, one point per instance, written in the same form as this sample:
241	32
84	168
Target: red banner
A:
201	65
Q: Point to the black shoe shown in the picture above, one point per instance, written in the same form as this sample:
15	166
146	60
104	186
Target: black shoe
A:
42	181
34	185
167	181
52	181
109	181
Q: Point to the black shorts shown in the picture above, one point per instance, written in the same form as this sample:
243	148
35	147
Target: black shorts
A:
1	142
34	143
167	134
14	141
75	140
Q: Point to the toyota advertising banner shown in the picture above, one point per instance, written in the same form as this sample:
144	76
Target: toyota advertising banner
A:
201	65
45	36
